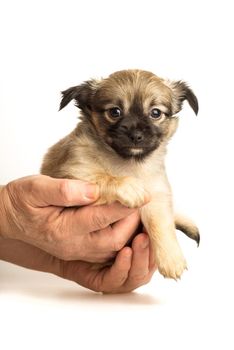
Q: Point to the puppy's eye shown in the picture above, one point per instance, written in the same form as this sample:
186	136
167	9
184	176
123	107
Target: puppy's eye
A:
115	112
155	113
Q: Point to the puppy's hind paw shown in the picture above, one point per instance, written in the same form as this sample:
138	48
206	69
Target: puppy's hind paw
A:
175	272
171	263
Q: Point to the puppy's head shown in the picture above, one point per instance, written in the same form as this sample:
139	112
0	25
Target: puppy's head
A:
132	111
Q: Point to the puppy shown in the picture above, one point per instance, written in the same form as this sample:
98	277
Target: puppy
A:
120	145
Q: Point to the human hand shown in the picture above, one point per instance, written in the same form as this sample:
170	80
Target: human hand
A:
132	267
41	211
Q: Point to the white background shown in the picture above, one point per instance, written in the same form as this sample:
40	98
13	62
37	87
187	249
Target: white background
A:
48	46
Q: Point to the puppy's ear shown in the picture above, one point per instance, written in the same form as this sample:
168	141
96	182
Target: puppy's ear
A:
82	94
181	92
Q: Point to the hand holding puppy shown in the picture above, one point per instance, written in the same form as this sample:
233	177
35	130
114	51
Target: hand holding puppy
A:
41	211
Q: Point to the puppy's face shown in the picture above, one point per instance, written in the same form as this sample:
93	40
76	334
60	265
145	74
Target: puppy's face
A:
132	111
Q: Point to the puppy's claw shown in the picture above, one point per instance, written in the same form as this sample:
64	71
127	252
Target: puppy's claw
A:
172	274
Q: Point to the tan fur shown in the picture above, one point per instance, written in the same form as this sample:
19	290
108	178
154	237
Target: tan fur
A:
82	156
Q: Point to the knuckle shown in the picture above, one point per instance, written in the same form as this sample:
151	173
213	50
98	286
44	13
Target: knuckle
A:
140	277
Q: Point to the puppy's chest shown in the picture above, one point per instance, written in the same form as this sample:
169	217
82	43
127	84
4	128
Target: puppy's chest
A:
129	168
148	171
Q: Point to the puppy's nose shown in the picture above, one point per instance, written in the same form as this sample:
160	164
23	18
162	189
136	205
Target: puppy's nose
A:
136	136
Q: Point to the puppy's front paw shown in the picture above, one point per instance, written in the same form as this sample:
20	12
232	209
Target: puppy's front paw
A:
170	260
131	193
127	190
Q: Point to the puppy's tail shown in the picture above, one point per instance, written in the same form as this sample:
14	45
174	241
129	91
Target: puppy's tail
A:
188	227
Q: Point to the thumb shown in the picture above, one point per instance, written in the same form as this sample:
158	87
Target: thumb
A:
44	191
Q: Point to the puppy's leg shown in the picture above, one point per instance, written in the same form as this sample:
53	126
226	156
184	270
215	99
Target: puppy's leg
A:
158	219
129	191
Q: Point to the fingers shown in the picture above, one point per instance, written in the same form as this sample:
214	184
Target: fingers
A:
101	216
43	191
115	277
109	279
140	260
124	230
143	264
131	269
100	245
115	237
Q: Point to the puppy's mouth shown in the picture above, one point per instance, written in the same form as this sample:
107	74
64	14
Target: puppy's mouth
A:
133	151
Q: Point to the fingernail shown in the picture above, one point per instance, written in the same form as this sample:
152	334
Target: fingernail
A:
91	192
145	243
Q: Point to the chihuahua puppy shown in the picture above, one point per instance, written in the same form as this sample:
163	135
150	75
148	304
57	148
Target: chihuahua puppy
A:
120	145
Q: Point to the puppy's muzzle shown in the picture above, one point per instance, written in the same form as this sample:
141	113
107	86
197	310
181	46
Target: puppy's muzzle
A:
131	139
